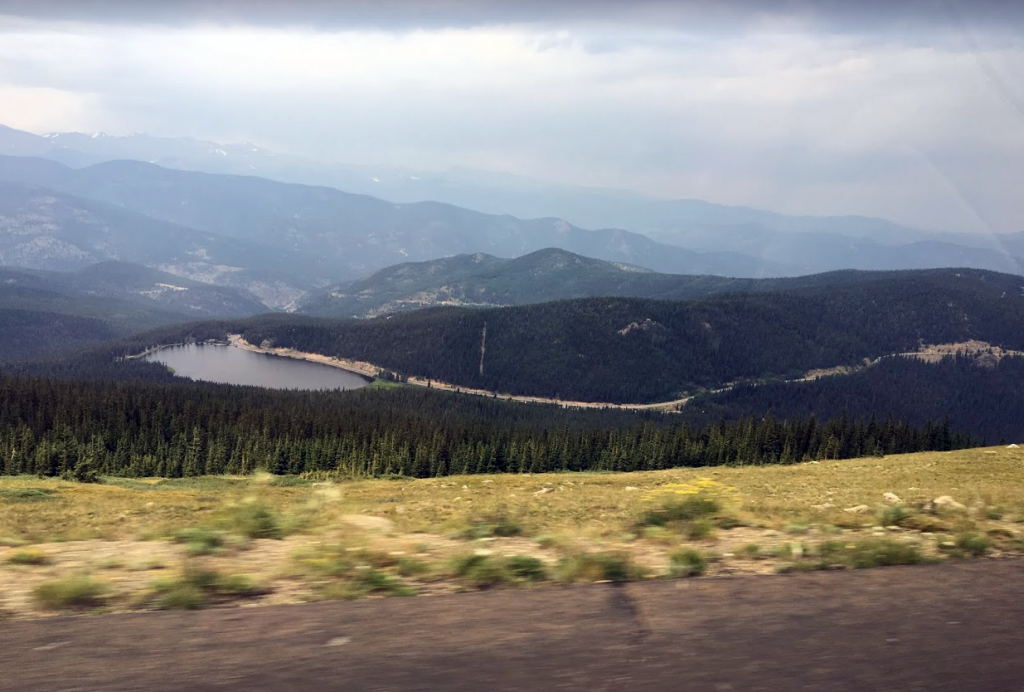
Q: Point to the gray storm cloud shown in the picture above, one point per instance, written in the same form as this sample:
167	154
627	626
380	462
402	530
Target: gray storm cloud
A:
907	110
832	15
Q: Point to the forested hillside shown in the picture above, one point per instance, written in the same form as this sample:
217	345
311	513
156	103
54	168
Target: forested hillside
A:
44	314
629	350
138	284
79	429
976	395
38	322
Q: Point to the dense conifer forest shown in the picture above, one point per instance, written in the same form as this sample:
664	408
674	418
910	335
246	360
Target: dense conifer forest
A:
97	411
975	394
79	429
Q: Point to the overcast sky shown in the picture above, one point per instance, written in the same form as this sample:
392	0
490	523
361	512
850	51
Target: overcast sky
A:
915	114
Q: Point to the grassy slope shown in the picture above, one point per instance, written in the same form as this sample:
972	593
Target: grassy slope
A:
422	524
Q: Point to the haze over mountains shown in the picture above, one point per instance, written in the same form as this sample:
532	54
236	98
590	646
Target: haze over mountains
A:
283	241
316	234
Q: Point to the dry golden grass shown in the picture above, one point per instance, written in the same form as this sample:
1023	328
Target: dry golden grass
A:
552	517
595	505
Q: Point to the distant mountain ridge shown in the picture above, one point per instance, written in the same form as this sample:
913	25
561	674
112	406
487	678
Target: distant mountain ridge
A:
481	280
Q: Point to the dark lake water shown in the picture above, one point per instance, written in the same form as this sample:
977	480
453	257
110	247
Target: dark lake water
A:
230	365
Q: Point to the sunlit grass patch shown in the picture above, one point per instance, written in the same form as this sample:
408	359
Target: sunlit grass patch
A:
28	557
16	495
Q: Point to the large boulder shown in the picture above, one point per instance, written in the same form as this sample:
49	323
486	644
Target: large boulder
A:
946	503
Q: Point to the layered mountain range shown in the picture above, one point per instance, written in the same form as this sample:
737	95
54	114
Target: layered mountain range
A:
196	209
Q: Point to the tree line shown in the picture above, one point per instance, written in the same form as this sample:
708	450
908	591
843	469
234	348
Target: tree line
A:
80	428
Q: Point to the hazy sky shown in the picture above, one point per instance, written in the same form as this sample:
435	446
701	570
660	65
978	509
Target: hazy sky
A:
915	114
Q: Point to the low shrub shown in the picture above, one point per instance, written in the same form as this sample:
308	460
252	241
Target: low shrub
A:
699	530
498	524
869	553
196	587
609	566
685	509
253	519
687	563
200	541
894	515
482	571
751	551
78	591
373	581
972	544
525	568
795	567
411	567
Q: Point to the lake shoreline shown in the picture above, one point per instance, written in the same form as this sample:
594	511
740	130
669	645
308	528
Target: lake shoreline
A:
234	366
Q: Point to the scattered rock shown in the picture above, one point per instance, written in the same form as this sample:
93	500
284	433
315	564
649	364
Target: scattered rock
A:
465	487
946	502
631	488
859	509
827	505
488	481
1012	446
891	498
338	641
368	523
544	491
947	544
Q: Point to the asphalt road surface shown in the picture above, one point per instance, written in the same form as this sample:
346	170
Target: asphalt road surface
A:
956	626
